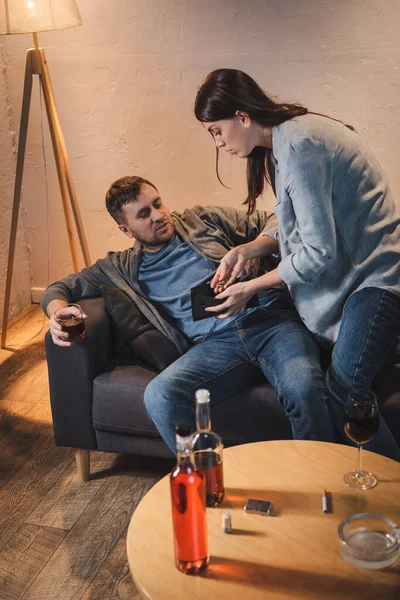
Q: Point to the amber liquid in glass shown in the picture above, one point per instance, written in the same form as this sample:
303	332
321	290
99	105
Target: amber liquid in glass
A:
209	464
75	326
189	519
208	450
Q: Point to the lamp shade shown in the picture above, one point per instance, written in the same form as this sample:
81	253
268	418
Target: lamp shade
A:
32	16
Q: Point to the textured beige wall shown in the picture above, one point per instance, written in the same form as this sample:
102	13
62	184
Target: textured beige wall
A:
125	83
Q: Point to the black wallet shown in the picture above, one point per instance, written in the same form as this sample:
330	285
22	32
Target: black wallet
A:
203	296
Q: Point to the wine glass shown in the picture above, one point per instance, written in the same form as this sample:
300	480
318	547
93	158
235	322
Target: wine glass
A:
361	421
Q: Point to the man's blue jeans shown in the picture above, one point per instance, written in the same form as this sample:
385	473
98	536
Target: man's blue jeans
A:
272	338
368	339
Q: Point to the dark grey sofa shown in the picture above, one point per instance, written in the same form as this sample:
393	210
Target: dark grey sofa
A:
97	398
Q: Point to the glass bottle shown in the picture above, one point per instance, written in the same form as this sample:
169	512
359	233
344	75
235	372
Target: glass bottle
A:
188	507
208	447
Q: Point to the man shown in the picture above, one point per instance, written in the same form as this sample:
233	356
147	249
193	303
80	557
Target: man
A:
174	253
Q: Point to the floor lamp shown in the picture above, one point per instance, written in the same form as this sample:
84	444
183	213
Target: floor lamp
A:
33	16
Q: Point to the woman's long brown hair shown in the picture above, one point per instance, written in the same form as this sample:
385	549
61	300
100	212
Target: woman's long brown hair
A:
223	93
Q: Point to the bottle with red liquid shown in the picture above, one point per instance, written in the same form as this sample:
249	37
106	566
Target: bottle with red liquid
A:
188	507
208	448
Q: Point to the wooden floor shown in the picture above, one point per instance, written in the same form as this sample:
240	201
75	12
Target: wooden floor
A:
59	538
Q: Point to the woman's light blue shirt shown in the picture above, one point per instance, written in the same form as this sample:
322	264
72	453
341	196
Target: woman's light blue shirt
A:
338	227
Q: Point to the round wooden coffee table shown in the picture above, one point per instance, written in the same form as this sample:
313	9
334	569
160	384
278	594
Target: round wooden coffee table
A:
292	554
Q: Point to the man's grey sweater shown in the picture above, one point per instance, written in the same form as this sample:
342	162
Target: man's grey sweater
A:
210	230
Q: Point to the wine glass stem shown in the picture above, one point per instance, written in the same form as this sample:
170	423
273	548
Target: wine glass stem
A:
359	458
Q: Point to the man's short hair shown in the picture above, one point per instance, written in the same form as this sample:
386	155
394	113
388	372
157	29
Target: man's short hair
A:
123	191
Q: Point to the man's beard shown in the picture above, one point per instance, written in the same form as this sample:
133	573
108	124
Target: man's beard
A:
158	243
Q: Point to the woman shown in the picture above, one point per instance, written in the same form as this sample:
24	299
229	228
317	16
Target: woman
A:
339	235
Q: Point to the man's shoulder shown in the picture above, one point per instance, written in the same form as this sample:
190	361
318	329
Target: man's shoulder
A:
198	209
117	258
221	217
113	255
209	211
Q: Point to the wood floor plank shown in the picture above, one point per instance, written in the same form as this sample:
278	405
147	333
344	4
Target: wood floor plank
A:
29	485
41	499
79	557
114	581
28	389
27	326
10	411
29	323
68	498
24	557
22	375
23	372
27	435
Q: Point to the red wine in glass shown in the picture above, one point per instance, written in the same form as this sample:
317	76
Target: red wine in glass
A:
361	422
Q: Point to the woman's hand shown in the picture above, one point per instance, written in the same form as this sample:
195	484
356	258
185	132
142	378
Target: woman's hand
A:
251	267
243	260
236	298
236	263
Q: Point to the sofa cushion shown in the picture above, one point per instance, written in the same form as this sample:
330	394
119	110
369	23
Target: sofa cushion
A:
134	334
118	398
249	416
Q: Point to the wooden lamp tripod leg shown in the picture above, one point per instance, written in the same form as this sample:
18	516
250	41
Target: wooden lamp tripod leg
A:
59	160
58	140
26	102
36	64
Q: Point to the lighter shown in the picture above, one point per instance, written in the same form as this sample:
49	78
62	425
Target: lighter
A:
259	507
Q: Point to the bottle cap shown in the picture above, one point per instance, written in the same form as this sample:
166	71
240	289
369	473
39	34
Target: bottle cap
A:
202	396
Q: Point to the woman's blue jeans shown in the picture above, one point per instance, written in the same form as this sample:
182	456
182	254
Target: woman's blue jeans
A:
368	339
275	340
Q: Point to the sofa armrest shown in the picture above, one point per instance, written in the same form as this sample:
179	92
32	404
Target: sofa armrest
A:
71	374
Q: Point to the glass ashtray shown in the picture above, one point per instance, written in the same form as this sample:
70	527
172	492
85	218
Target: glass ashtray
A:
369	541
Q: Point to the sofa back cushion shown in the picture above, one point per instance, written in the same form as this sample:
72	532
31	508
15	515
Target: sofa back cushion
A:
134	334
